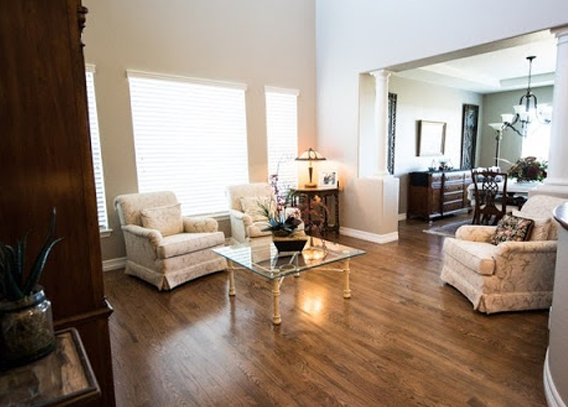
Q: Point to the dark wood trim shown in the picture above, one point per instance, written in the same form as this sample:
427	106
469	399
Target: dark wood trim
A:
103	312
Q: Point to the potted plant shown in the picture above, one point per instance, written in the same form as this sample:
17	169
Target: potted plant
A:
26	322
283	228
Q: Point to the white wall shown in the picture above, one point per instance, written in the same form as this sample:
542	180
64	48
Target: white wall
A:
360	36
494	104
422	101
255	42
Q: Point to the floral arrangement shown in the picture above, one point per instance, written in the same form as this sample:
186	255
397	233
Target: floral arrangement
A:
278	223
528	169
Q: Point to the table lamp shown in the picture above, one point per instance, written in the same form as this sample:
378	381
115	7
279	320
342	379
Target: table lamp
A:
310	155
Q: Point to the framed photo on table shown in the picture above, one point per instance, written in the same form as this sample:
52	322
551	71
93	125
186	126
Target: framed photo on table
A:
431	138
328	179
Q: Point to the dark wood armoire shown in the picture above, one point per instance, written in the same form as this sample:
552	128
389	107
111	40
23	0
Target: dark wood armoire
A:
45	162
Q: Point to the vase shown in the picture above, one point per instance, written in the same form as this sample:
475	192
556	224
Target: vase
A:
291	242
26	329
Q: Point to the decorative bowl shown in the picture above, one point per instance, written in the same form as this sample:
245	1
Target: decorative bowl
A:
289	244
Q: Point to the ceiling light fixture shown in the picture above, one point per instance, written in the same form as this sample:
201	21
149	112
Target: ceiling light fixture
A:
527	110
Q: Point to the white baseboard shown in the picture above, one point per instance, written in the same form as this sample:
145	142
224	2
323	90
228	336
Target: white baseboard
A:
402	216
552	397
114	264
371	237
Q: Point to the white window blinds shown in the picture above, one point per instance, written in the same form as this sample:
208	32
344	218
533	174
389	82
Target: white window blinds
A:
96	148
190	138
282	135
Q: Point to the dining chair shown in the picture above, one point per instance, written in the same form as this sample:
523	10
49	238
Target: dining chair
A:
490	195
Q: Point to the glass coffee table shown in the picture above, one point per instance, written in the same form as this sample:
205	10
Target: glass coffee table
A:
259	256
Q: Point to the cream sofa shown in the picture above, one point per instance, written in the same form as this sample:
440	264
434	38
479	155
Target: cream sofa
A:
162	247
510	276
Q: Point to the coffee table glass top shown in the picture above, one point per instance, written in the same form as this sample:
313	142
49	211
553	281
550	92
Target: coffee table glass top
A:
261	257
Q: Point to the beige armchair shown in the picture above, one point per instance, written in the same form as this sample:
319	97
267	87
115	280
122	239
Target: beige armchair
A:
247	221
162	247
510	276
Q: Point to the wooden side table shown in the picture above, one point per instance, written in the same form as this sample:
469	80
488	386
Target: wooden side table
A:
63	378
330	198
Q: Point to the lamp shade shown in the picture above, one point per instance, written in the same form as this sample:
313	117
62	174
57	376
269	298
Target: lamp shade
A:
310	155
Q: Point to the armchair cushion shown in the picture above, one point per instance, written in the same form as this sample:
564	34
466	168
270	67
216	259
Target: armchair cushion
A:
166	219
184	243
511	229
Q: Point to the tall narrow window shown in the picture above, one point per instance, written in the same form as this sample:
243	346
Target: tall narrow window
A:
190	138
96	148
282	135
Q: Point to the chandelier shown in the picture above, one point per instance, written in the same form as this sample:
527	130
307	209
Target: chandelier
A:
527	111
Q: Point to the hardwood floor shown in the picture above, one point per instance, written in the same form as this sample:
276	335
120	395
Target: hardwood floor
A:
403	339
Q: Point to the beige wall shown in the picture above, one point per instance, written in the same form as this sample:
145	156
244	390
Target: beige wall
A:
254	42
423	101
494	104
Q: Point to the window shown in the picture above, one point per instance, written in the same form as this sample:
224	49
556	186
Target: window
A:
96	148
190	138
282	135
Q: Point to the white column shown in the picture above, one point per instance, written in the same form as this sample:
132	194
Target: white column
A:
381	120
558	155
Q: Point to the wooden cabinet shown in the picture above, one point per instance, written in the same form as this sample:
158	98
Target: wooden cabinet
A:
45	162
438	193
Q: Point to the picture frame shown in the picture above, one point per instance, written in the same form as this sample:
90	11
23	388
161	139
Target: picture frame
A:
431	138
328	179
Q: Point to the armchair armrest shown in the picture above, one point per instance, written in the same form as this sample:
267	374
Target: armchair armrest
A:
534	247
200	224
233	213
152	235
475	233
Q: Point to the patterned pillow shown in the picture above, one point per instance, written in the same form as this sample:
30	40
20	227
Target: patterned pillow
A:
512	229
166	219
541	226
253	206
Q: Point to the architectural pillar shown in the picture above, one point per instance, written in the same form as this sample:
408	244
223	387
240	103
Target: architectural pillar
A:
381	120
556	182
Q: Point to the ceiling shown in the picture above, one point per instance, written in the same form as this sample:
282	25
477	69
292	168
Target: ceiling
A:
495	71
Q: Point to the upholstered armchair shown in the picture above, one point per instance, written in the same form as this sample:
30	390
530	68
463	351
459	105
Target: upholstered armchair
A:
162	247
509	276
247	219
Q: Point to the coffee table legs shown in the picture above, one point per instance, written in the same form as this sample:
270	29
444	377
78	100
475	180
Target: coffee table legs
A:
276	318
346	271
231	267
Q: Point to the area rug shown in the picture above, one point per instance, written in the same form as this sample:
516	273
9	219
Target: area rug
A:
449	229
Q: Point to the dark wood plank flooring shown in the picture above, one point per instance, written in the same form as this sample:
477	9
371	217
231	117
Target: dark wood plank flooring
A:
403	339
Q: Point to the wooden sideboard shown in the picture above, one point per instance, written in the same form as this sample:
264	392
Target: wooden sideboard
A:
434	194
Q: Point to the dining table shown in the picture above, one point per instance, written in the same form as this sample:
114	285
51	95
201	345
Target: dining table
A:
514	188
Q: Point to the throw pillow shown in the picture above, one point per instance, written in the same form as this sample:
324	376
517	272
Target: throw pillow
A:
253	206
541	226
511	229
166	219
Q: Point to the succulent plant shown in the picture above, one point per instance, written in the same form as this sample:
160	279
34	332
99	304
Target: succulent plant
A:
14	283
